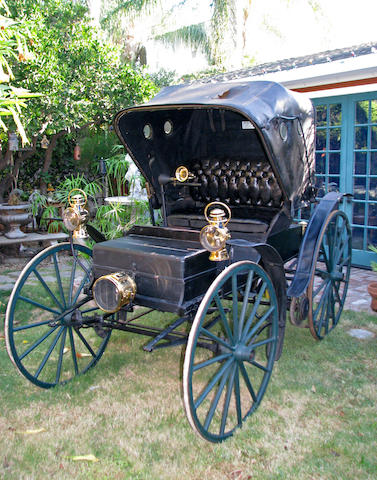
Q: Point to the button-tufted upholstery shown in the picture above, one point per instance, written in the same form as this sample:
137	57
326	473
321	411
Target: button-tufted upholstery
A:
235	182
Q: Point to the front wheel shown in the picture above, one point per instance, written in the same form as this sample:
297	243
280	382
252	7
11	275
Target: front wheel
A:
49	328
230	351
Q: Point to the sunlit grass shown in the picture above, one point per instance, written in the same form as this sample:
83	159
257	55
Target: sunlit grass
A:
317	419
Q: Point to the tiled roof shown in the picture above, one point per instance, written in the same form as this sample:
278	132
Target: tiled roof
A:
297	62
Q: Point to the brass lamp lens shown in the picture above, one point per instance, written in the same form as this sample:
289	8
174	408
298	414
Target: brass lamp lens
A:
212	238
71	219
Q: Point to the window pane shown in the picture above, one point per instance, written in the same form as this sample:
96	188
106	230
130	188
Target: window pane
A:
358	215
360	167
373	140
359	187
373	189
333	183
372	236
321	140
361	138
320	162
335	139
373	111
321	115
335	114
362	111
373	163
320	183
334	163
357	238
372	214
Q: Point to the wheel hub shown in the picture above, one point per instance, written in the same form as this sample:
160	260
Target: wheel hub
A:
243	353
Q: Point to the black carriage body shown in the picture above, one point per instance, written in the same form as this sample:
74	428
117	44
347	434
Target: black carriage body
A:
170	267
249	145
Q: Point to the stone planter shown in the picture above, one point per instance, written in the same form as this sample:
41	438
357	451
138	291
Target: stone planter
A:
372	290
13	217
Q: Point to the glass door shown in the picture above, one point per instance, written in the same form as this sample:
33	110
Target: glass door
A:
346	158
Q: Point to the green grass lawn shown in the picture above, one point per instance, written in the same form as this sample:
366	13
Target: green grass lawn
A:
317	419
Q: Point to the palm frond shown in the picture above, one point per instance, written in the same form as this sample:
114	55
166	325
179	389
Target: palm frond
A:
130	8
195	36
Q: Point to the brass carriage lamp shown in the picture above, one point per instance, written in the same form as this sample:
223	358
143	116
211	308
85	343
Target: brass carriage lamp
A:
75	217
214	236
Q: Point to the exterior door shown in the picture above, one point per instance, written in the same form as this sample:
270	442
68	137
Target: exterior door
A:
346	156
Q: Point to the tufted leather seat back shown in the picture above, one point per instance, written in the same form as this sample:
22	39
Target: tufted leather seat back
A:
236	182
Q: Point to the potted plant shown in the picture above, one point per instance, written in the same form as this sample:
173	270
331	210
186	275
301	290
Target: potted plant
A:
372	287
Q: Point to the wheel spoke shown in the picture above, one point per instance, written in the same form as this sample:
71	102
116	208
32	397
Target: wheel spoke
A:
237	394
83	281
217	339
61	353
322	284
32	325
253	312
37	343
262	342
258	365
256	327
72	281
37	304
47	288
49	351
245	301
322	299
247	381
228	396
73	350
216	399
235	305
211	361
58	278
213	382
223	318
83	339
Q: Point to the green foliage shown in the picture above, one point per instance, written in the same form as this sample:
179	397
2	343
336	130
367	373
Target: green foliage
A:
81	76
76	181
163	78
116	167
373	264
13	47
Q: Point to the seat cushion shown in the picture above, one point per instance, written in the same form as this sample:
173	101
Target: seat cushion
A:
235	224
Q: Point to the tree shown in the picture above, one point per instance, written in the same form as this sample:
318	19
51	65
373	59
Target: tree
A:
82	78
219	38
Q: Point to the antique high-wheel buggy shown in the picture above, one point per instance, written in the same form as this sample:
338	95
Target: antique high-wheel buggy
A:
229	165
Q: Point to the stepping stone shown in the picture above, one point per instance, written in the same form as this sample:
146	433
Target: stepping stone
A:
360	333
7	286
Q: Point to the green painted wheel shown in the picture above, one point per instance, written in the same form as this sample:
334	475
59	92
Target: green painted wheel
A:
230	351
48	333
328	284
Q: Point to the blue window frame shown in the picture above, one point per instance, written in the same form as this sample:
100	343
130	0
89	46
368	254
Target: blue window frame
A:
346	155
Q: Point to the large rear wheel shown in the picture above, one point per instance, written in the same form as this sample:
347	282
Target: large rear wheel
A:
230	351
328	284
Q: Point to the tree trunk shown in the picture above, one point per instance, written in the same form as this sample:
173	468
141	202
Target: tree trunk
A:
48	159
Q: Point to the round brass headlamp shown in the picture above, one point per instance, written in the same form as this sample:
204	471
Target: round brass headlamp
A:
111	292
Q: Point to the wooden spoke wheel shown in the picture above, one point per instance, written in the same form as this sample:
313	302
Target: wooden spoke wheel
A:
328	284
230	351
48	333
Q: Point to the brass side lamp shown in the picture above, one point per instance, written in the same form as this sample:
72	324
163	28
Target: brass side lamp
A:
75	217
182	174
214	236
